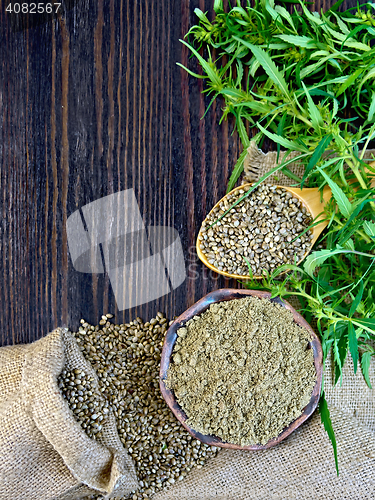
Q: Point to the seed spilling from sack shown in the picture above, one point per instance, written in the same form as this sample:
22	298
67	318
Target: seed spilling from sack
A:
242	371
260	229
126	358
88	407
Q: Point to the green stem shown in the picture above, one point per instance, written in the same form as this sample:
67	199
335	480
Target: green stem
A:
303	119
362	326
355	169
306	295
358	231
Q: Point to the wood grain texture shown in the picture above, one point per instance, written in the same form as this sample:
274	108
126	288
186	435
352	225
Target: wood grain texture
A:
92	103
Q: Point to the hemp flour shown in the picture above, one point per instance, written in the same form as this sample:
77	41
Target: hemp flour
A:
242	371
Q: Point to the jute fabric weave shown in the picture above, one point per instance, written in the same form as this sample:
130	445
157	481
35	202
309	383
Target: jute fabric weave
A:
44	453
257	164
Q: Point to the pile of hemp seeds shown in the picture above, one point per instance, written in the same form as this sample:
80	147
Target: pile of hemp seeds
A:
242	371
264	230
126	358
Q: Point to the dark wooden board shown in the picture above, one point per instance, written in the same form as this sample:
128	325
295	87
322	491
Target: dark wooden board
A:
92	103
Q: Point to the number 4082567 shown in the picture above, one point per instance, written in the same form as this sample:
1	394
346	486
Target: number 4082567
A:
33	8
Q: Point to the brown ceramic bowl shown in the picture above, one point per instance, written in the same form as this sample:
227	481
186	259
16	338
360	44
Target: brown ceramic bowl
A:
198	308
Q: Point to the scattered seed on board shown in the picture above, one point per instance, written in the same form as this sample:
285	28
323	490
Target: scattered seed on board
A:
126	358
260	229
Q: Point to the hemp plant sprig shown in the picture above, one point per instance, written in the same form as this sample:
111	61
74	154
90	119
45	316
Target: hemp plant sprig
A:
292	77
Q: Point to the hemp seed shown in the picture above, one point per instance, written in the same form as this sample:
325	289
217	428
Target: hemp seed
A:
261	230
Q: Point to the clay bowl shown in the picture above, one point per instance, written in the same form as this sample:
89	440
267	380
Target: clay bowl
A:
198	308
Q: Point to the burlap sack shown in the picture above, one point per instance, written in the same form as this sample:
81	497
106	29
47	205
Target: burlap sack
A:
44	452
257	163
302	466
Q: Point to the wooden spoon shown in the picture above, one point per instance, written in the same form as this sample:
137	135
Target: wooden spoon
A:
310	199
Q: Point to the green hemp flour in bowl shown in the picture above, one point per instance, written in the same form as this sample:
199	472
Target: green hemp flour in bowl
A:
242	371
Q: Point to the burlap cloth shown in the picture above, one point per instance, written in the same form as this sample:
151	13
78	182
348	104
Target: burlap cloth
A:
302	466
258	163
44	453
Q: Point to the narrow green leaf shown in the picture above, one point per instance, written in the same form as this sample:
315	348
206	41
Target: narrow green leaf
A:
317	258
258	107
326	345
242	132
365	366
366	322
344	28
319	150
341	199
311	17
237	171
269	7
369	228
249	267
349	232
205	65
326	421
236	93
307	70
319	54
254	66
239	72
357	29
340	79
191	72
241	11
291	175
218	6
353	346
349	81
268	65
340	349
285	267
370	74
315	115
300	41
285	14
357	300
371	111
334	33
280	131
349	244
354	214
284	142
335	108
202	17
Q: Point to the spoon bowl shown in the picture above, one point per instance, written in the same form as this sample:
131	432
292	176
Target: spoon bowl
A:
310	199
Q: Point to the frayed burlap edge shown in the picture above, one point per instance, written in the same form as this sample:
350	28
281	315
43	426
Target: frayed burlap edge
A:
257	163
